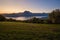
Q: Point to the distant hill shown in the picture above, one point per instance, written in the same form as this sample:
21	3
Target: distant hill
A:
25	14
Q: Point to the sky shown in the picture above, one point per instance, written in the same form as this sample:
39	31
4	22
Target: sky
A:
35	6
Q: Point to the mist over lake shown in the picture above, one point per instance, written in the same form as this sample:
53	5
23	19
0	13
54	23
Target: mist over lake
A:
26	18
26	15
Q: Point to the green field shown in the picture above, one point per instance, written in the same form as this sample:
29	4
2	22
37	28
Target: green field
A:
29	31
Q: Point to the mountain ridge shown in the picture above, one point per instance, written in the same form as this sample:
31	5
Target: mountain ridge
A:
25	14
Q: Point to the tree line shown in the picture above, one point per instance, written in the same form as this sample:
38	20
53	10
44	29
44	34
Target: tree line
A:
54	17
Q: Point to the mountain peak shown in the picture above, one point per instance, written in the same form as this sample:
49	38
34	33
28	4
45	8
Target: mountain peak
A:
27	12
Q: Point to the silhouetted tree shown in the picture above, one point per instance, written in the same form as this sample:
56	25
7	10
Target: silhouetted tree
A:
54	16
11	19
2	18
35	20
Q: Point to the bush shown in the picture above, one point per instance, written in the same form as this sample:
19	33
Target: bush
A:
2	18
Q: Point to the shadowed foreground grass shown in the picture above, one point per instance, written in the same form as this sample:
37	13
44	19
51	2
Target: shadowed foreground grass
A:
29	31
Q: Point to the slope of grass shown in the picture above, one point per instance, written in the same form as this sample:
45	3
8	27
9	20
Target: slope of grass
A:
29	31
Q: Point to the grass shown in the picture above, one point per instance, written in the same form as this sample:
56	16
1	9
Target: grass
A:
29	31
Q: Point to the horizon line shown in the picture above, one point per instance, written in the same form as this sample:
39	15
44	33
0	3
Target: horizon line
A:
21	12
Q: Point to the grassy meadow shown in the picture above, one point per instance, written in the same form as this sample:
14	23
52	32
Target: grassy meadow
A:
29	31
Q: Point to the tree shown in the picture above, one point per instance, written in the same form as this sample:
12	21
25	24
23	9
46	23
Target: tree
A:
54	16
11	19
2	18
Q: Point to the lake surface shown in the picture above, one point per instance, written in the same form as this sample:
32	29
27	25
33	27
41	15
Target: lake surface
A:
26	18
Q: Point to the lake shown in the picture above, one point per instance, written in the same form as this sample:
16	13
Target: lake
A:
26	18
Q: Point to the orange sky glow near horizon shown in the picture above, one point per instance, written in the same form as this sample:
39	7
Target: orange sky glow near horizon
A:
16	10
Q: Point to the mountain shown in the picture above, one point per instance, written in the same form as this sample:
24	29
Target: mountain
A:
25	14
